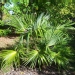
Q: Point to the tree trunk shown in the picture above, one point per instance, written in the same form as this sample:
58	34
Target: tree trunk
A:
1	14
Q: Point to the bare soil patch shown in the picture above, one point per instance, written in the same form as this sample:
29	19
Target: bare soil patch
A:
45	71
7	41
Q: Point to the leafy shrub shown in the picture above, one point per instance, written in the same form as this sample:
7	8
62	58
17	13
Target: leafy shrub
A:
40	43
1	22
4	32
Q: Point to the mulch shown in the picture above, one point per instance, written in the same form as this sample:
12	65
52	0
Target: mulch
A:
29	71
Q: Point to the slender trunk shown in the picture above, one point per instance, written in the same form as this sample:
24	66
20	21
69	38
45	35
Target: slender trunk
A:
1	12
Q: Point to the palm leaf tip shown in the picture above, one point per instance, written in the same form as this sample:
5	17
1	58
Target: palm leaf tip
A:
31	56
8	57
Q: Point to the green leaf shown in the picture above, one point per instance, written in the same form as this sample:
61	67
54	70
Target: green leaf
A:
8	57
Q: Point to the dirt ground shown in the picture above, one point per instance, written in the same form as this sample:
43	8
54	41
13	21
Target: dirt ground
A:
45	71
7	41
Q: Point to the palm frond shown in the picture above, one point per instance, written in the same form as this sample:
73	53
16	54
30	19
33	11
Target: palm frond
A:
31	56
8	57
36	57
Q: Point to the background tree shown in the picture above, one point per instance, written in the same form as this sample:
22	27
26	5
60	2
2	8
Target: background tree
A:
2	2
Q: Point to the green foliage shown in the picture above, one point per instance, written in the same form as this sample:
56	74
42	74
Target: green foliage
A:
1	23
21	24
40	42
11	57
4	32
8	57
44	38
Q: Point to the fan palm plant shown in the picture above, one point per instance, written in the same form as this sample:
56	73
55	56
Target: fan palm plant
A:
43	38
41	44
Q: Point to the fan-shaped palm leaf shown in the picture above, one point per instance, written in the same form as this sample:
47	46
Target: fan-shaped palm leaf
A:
9	57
